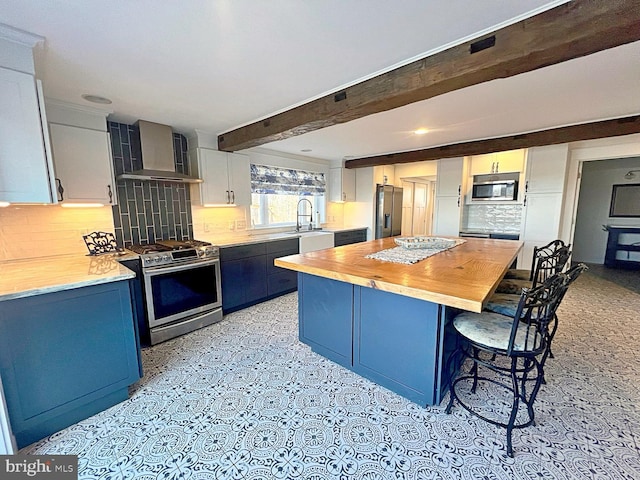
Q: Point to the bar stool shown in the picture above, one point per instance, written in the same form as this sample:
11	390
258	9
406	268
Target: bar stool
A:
538	252
547	262
508	348
506	303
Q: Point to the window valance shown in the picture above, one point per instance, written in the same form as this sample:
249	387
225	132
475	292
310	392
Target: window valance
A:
286	181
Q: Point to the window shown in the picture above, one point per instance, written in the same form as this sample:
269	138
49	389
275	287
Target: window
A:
277	196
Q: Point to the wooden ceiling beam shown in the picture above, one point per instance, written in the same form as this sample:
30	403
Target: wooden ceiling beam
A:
571	30
553	136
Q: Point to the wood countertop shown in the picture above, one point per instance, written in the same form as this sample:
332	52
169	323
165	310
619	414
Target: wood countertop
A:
463	277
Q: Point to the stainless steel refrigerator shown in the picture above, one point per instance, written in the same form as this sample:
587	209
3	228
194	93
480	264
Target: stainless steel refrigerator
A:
388	211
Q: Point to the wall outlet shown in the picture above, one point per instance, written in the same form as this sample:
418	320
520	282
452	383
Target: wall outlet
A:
207	227
232	226
241	224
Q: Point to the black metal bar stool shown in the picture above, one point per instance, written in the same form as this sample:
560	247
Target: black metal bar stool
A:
510	349
506	303
547	263
538	252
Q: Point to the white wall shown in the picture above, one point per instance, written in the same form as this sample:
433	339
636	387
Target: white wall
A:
598	177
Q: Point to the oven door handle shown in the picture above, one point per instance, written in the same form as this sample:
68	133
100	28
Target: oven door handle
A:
177	268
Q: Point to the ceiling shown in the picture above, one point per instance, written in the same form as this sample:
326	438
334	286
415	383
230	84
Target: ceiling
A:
214	65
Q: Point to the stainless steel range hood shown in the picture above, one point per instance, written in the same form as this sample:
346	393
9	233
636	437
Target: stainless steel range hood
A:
158	163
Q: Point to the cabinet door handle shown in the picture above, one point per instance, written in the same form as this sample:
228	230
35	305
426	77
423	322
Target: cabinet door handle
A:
497	167
458	201
344	196
228	197
526	186
459	189
493	167
524	204
110	193
60	189
233	196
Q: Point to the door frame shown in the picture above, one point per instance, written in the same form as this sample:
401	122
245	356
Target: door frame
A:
586	151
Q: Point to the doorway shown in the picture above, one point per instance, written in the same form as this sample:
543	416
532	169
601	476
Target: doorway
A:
417	207
595	188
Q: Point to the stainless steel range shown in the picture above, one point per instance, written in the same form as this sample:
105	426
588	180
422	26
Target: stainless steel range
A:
179	288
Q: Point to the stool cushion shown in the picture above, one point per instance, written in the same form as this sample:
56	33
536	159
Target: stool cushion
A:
512	286
517	274
490	329
503	303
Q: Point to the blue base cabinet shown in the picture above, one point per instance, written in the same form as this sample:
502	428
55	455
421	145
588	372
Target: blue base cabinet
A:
396	341
65	356
325	320
249	276
350	236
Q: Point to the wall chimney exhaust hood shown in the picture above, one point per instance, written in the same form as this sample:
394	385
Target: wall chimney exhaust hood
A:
156	142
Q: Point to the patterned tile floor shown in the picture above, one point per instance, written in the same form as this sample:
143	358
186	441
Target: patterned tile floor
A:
243	399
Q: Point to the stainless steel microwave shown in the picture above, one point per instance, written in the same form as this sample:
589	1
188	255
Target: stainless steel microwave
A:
497	190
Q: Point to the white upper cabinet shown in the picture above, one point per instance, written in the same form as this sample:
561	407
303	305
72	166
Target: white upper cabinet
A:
449	191
449	177
342	185
501	162
226	178
83	164
25	166
546	169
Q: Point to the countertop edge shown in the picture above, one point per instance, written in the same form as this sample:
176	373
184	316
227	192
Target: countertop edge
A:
274	237
41	275
65	286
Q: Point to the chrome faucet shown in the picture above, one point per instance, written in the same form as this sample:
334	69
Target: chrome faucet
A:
298	224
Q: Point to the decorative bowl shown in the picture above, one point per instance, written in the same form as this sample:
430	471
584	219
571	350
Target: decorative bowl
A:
434	243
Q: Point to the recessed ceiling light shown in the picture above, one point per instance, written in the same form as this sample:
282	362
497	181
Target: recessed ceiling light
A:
306	150
421	131
96	99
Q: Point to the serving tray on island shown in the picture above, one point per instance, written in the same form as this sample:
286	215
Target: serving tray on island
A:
433	243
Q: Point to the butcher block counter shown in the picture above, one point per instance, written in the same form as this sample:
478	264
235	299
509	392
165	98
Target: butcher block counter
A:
390	322
463	277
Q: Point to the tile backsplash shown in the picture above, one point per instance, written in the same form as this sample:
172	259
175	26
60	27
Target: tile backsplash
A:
150	210
492	217
32	231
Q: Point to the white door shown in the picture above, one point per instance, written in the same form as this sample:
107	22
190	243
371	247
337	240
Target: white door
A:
420	209
407	209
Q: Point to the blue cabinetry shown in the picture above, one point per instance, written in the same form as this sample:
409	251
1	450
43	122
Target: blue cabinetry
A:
325	317
396	341
65	356
349	236
249	276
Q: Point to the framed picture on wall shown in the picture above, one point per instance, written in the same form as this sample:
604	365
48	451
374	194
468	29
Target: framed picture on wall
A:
625	200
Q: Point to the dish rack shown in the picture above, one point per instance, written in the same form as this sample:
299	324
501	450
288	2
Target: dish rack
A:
433	243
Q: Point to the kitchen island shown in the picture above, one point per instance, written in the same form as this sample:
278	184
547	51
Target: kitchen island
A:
388	321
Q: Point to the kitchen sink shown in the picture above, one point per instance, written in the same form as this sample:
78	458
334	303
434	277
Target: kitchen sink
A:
315	240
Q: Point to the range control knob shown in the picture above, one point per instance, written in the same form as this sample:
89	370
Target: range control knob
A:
166	257
157	259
